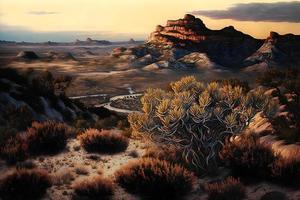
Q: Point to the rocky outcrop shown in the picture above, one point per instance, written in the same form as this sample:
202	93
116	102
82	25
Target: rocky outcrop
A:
18	95
227	47
188	42
60	56
28	55
277	51
270	131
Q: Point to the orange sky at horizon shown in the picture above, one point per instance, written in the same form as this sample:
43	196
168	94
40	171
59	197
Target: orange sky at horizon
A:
136	17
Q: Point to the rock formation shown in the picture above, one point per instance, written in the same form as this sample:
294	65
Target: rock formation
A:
60	56
90	41
277	51
28	55
188	42
227	47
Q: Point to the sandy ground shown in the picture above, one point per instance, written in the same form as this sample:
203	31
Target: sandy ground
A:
75	164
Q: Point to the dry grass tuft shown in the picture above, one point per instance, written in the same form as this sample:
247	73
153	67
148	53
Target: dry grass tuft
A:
248	157
95	188
155	178
104	141
14	150
229	189
46	138
24	184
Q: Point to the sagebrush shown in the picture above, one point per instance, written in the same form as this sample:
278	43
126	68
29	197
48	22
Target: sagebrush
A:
195	117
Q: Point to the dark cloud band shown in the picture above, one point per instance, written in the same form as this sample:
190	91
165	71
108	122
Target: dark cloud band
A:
272	12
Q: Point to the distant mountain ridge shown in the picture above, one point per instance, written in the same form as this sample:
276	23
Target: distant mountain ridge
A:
90	41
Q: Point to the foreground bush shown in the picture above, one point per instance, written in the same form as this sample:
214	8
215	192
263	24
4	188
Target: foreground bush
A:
104	141
95	188
229	189
155	178
41	138
14	150
195	117
46	138
28	184
286	170
248	158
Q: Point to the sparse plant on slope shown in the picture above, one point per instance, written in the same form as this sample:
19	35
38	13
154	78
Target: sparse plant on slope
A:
46	138
196	118
229	189
14	150
24	184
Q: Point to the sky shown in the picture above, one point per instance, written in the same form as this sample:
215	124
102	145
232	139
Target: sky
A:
116	20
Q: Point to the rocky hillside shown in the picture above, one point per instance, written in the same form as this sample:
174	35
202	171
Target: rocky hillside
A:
28	96
187	42
277	51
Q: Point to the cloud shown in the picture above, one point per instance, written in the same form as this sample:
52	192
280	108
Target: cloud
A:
42	13
270	12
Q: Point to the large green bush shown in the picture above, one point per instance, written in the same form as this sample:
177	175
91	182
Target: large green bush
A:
195	117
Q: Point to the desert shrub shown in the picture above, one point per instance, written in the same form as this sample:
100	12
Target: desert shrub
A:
47	137
6	132
229	189
43	83
61	83
14	150
95	188
82	124
247	157
235	83
285	170
195	118
288	78
122	124
24	184
18	117
106	123
171	155
155	178
104	141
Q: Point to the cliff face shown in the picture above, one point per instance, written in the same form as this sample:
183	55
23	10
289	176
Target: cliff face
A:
227	46
277	51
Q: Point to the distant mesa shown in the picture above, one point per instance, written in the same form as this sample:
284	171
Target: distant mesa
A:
90	41
131	41
28	55
228	46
